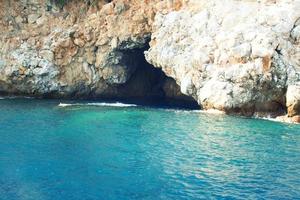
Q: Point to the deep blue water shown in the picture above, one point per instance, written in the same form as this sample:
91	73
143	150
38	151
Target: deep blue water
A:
87	152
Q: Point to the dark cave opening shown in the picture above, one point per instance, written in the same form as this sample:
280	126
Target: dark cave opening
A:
149	85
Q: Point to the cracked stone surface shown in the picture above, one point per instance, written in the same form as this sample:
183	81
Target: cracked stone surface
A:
237	56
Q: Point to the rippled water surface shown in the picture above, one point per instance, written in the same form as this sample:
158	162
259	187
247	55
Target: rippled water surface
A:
92	152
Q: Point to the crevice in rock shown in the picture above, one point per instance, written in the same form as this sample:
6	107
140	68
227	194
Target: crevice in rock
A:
278	50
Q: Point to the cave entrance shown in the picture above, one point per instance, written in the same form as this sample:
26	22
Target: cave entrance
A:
149	85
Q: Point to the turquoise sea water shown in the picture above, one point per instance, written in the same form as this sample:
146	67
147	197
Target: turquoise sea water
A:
100	152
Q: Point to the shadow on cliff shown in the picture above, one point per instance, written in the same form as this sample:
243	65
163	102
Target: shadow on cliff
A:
148	85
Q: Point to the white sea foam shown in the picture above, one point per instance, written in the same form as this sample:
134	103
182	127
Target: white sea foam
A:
212	111
16	97
281	119
273	119
209	111
117	104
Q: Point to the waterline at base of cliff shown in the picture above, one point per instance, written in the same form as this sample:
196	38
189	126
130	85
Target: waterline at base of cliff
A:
241	57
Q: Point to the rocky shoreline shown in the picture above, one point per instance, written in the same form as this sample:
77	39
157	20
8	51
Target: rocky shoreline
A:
239	57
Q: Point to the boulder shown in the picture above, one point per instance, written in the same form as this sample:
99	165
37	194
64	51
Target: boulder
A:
293	100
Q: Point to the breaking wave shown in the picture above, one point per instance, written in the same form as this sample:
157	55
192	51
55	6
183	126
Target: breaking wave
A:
117	104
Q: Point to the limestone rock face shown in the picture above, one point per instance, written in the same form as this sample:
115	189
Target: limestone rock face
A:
235	56
73	50
293	100
238	56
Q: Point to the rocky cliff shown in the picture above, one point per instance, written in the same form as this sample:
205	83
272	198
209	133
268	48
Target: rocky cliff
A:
241	57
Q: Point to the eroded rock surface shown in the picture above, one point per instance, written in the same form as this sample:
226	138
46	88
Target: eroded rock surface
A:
293	100
84	48
235	56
